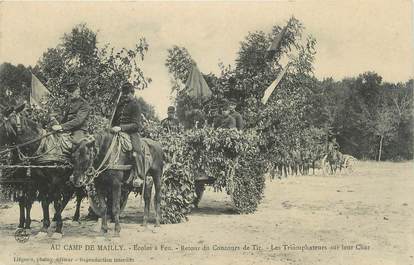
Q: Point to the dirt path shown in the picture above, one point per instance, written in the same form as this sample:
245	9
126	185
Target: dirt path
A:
365	218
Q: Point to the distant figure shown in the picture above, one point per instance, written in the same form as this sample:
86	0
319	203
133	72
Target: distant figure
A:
227	121
194	118
236	115
171	123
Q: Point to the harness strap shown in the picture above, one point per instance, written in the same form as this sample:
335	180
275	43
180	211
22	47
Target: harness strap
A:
25	143
106	164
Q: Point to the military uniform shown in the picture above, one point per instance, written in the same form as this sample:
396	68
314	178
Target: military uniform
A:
227	122
128	118
76	118
239	120
170	124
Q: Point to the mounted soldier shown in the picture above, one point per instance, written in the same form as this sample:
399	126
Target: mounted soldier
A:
76	117
127	118
171	123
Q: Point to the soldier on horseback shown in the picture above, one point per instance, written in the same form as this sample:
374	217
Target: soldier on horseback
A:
127	119
76	117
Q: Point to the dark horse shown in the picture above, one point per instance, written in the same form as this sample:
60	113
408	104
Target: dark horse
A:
50	183
94	167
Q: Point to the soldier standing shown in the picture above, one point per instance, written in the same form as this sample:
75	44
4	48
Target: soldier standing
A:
236	115
171	123
227	122
127	119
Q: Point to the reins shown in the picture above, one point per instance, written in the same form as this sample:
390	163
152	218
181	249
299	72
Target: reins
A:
106	163
17	146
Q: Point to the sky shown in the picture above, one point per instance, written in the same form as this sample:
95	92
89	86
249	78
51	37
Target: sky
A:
352	36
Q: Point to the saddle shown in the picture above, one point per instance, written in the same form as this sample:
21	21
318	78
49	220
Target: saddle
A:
54	148
124	143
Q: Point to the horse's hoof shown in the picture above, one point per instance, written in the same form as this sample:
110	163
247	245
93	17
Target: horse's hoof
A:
103	232
156	229
56	235
76	222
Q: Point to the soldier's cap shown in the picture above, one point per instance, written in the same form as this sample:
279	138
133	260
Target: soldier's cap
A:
127	87
232	102
171	109
225	106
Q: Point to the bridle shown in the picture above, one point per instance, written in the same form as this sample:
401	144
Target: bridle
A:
11	132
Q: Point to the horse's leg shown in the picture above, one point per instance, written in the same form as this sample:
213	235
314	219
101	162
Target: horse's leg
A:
78	204
58	204
116	201
147	201
102	192
46	218
109	204
29	204
22	218
157	200
104	216
199	190
66	199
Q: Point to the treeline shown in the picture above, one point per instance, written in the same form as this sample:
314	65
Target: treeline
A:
305	118
369	119
365	116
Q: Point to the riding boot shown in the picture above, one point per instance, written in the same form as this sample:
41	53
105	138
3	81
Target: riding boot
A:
139	167
139	159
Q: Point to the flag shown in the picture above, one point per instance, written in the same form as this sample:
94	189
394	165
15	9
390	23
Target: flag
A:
273	85
37	92
276	43
196	86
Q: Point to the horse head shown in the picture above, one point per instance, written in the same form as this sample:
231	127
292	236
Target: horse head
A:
83	159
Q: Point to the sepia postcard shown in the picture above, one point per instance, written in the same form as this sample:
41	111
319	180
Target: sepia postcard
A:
207	132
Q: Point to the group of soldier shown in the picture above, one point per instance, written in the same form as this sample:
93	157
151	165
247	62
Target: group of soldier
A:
229	118
127	118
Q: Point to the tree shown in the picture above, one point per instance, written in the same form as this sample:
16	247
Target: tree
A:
147	109
99	71
14	83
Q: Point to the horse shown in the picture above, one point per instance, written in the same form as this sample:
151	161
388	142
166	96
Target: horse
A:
100	164
51	183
